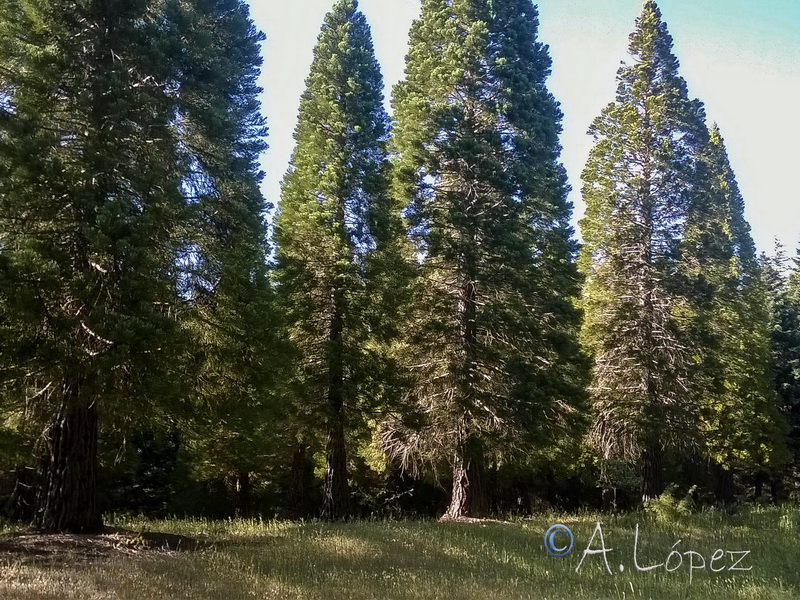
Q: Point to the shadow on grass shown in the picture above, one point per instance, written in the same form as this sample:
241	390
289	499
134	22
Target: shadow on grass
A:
52	549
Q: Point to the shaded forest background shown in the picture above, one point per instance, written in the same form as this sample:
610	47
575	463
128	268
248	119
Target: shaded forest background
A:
413	329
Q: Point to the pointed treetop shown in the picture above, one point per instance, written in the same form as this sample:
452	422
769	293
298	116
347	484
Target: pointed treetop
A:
651	39
342	7
726	183
344	78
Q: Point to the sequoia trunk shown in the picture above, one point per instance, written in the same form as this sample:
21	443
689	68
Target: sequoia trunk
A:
652	472
724	484
67	500
297	494
469	499
336	500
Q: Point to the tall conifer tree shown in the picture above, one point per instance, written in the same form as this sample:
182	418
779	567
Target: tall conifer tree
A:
90	195
129	138
230	321
637	188
728	326
782	278
491	345
336	234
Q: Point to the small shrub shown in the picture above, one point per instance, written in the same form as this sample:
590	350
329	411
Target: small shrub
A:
670	506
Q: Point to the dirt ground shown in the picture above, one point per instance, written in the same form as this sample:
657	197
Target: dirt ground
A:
35	547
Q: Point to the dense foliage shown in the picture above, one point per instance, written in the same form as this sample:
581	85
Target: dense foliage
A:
337	248
677	316
130	220
425	332
638	189
492	338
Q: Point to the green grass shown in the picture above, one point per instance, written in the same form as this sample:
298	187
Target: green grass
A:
427	560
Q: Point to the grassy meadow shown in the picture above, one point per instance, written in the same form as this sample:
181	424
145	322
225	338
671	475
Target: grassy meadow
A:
382	560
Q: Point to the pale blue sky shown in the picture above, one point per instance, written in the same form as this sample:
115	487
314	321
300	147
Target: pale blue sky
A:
740	57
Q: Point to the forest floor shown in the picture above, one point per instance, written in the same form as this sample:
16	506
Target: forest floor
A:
751	555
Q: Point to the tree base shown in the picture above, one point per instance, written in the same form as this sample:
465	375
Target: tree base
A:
66	502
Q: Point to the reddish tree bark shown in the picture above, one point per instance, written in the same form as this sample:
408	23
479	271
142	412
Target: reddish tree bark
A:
469	498
67	499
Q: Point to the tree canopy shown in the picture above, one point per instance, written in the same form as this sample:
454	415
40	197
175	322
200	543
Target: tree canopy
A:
411	328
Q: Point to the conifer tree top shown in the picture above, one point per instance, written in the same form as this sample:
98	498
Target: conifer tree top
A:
651	45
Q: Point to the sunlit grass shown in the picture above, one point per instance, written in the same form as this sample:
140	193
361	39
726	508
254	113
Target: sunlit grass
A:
428	560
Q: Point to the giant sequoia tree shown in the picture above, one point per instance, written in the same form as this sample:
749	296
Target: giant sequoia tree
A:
89	197
782	280
491	346
336	235
637	187
677	312
120	143
728	326
230	321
